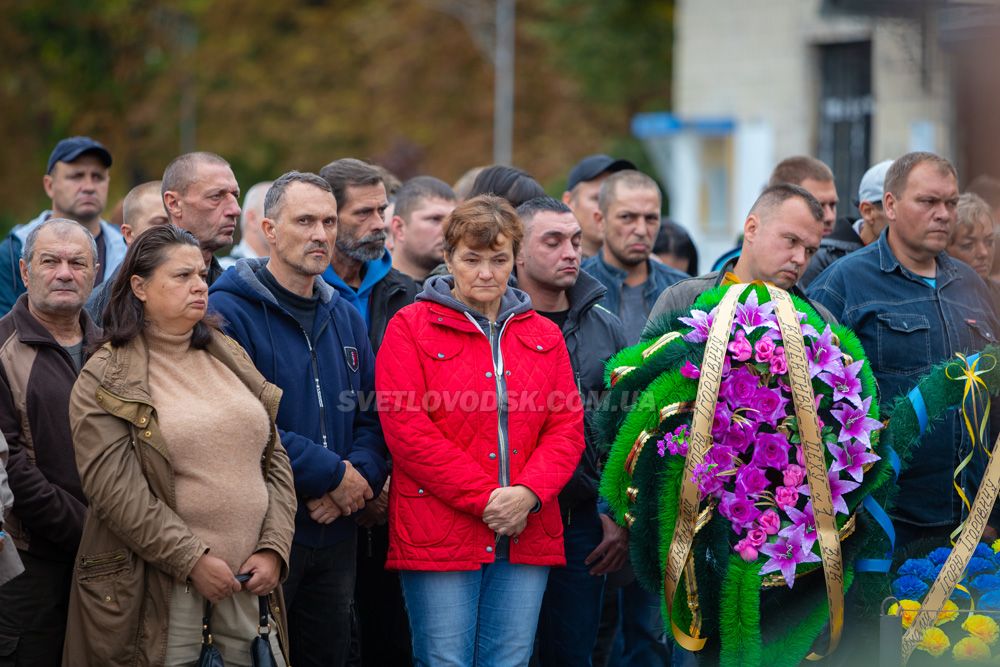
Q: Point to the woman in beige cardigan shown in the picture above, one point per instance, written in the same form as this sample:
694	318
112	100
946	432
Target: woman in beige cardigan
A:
187	481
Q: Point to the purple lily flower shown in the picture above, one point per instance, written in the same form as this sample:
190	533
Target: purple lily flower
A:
845	383
856	422
701	323
751	315
786	553
807	329
801	518
838	488
851	458
823	355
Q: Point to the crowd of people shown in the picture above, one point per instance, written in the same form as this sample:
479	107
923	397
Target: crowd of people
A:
365	435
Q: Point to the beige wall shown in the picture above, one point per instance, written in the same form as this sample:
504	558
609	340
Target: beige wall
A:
755	60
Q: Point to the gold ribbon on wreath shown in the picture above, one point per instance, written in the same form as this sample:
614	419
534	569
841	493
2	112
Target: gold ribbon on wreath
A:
803	398
700	441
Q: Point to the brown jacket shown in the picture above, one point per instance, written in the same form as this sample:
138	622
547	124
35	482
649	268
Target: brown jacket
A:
134	545
36	378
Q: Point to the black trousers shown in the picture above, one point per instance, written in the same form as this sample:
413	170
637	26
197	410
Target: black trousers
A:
33	610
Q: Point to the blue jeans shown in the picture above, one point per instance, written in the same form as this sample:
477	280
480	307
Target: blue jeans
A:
476	618
571	609
319	594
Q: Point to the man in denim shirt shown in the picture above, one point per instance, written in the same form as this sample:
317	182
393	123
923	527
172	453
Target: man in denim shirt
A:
913	307
629	216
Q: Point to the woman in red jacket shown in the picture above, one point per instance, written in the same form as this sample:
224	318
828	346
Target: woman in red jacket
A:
484	423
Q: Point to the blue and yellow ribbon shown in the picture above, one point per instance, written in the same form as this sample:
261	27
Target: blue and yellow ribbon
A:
970	372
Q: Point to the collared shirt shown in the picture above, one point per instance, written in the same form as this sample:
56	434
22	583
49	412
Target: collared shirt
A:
908	326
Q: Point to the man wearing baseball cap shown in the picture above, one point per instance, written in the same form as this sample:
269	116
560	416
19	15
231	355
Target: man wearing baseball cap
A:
582	188
848	237
76	180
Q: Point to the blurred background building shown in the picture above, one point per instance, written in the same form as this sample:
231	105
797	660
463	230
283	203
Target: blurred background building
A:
852	82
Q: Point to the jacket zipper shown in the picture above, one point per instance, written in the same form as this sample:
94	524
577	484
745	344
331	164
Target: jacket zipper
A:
94	562
319	392
501	397
496	356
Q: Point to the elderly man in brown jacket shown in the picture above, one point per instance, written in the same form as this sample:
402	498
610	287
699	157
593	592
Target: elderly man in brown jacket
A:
42	343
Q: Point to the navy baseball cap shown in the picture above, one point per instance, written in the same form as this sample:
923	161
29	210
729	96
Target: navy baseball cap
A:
71	148
593	166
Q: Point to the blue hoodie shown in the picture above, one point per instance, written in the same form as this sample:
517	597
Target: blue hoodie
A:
327	412
375	270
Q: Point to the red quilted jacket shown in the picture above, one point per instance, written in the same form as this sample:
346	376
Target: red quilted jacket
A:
438	405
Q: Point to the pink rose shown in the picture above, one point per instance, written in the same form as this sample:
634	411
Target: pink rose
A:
746	550
786	496
764	349
769	522
756	537
778	364
794	475
740	347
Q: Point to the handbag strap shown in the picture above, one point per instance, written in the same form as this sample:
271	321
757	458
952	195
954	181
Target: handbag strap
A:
206	630
263	625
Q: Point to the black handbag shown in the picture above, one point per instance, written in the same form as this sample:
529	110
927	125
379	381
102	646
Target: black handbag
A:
209	656
260	648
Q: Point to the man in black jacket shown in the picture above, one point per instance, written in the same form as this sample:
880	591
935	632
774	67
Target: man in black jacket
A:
548	269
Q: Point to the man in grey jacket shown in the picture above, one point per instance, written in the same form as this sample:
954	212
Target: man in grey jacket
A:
781	234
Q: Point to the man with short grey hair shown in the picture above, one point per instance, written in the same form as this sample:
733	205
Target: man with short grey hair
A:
306	339
201	195
582	187
43	344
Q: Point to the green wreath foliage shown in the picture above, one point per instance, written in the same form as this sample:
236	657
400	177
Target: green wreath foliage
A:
745	624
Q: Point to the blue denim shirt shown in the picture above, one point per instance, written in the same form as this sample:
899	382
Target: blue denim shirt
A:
906	326
659	277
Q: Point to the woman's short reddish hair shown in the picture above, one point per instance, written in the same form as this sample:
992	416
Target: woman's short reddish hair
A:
480	221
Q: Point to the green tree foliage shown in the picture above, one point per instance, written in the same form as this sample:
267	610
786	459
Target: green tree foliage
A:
274	86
